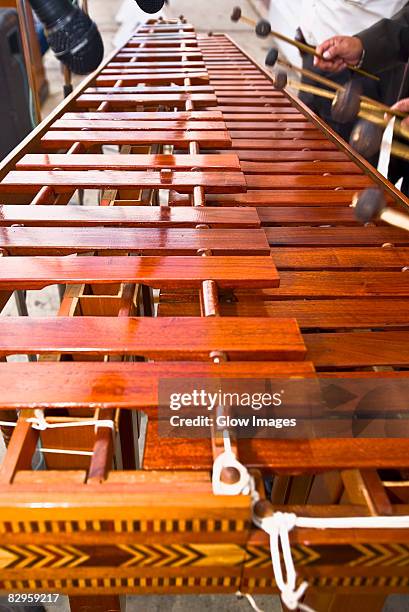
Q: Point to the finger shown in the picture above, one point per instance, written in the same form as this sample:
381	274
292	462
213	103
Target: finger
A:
333	52
402	105
323	47
340	65
333	66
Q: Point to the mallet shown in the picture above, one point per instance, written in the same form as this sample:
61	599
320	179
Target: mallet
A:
272	58
371	205
263	29
346	105
366	137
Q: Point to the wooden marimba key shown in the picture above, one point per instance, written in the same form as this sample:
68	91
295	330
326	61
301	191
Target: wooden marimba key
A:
224	247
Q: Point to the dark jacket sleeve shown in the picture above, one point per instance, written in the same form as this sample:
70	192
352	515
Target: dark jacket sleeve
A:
386	42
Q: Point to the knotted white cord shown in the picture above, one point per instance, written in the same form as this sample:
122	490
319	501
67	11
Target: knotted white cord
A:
228	459
278	526
40	423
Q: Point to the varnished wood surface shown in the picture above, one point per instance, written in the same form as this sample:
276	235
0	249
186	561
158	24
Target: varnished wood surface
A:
123	68
311	314
92	179
129	216
176	272
134	79
330	258
302	154
168	55
177	338
288	456
279	134
187	116
307	215
282	144
358	349
332	285
114	124
265	181
338	236
209	139
342	284
257	127
300	168
130	100
33	240
125	385
168	89
97	161
286	197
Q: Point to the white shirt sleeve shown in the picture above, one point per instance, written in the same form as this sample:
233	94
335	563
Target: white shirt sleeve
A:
321	19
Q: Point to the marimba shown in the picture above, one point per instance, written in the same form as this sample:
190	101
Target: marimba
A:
223	247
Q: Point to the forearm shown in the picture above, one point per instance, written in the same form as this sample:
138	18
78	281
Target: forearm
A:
386	42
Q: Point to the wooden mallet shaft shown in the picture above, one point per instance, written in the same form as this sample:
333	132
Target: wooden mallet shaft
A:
395	218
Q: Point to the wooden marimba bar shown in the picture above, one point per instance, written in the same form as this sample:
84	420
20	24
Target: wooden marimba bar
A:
224	247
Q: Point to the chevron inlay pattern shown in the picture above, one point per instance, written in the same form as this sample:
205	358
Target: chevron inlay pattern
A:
196	555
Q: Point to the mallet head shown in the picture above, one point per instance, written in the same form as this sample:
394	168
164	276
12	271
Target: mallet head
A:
272	57
347	103
369	205
263	28
280	80
366	138
236	14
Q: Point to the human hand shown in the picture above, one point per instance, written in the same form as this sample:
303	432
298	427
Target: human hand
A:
337	52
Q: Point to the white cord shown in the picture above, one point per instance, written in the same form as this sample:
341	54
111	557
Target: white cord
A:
62	451
250	599
358	522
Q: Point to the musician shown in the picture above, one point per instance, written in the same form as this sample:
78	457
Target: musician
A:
383	46
325	19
